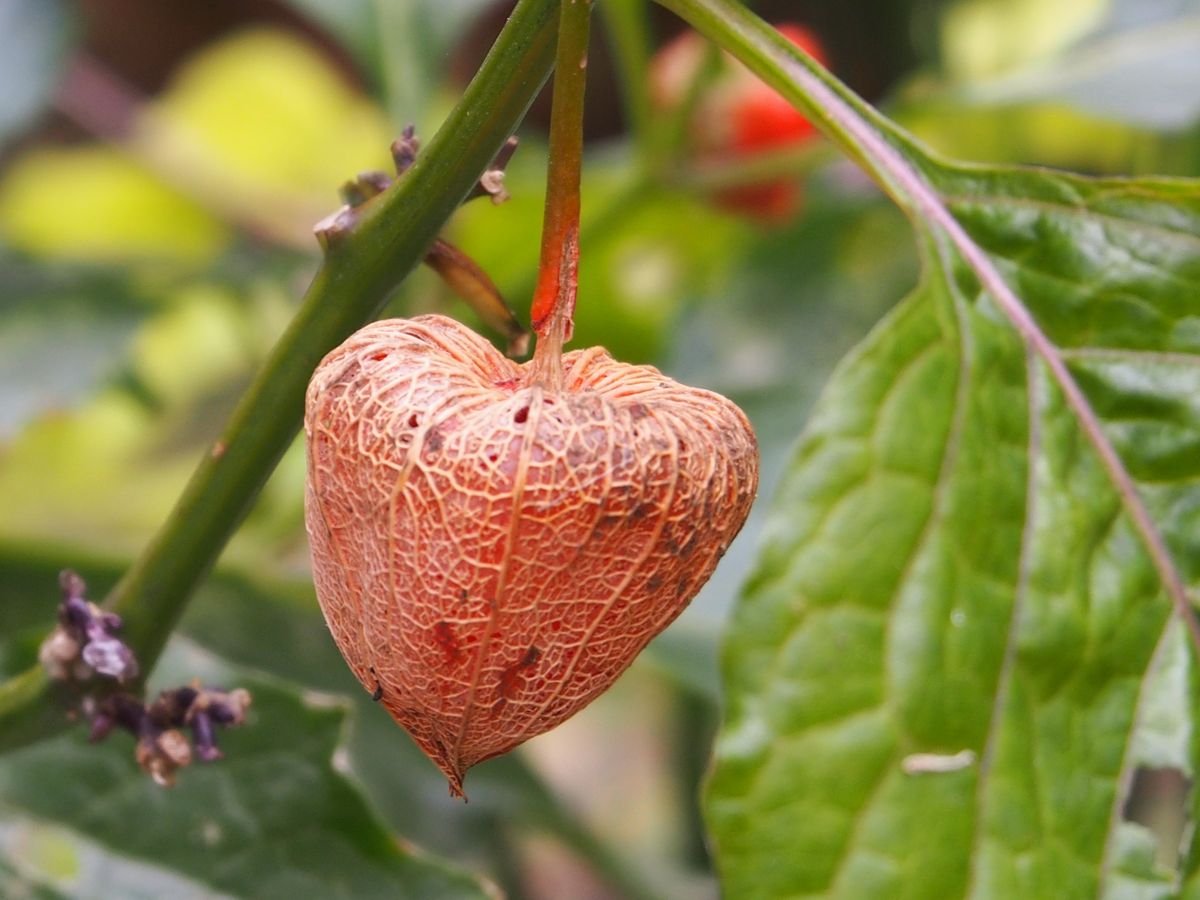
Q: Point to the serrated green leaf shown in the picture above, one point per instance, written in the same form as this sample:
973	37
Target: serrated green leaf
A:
960	643
273	819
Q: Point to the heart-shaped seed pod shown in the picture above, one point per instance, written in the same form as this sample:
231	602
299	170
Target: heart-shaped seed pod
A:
489	554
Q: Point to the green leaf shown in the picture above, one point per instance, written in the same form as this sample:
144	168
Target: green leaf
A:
1117	100
274	626
93	204
274	818
39	861
962	640
768	334
980	37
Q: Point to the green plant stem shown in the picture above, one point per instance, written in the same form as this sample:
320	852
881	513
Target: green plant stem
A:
787	162
554	297
387	238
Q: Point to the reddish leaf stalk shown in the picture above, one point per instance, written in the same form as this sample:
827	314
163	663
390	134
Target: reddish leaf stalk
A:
553	305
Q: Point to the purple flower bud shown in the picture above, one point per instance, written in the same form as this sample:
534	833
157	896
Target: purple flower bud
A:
206	737
109	656
75	613
101	725
72	585
404	149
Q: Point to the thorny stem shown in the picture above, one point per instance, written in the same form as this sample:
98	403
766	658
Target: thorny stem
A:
558	274
365	259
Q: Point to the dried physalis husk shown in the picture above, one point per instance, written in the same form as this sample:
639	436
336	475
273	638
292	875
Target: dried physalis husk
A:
490	554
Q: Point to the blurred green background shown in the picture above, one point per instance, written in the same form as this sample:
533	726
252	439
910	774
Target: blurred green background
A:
161	167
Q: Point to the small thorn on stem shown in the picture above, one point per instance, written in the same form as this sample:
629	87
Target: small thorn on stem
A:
364	186
332	229
491	182
405	148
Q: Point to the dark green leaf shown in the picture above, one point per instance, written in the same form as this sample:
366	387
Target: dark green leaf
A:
275	626
48	862
275	818
966	633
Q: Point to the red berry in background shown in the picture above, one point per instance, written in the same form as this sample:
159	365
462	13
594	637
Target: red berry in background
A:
764	119
738	116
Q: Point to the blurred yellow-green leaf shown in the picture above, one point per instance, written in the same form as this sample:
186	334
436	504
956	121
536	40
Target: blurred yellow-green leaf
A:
986	37
269	110
97	204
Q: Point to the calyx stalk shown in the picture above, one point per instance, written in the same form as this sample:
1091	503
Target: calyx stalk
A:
553	306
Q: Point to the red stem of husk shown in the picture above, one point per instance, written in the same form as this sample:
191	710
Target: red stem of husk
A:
553	304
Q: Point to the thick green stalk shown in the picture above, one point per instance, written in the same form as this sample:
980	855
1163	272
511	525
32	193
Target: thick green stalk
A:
383	242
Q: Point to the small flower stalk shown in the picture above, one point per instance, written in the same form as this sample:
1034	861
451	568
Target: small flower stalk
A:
86	653
456	269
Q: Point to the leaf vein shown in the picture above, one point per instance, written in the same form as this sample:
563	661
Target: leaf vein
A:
949	458
1162	231
1008	661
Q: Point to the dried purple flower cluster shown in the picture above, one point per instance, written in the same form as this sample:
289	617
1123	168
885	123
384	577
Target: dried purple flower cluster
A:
85	652
162	747
85	643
